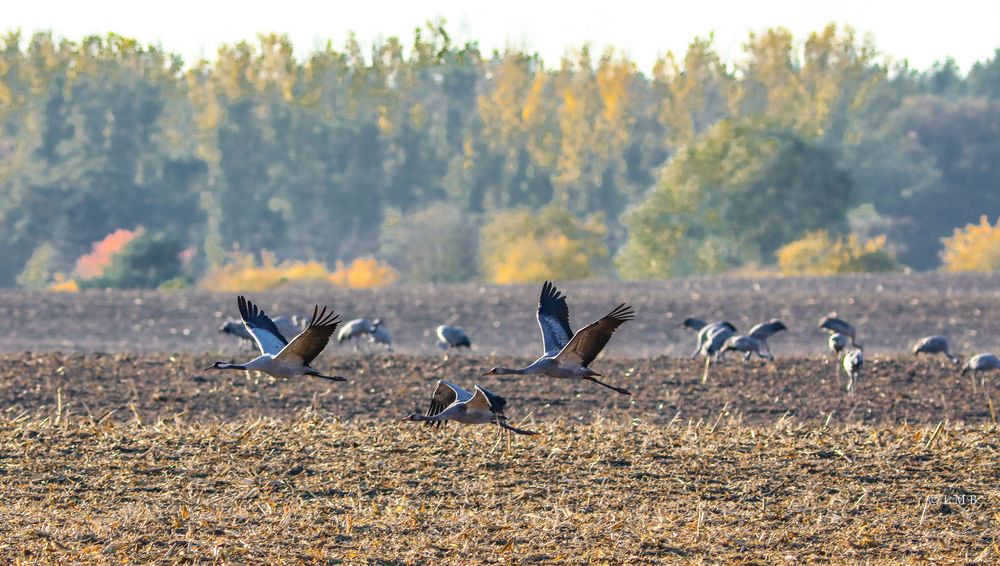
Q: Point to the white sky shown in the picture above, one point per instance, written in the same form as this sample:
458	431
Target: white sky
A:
920	31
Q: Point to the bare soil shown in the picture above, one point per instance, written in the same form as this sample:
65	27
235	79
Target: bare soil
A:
388	386
890	312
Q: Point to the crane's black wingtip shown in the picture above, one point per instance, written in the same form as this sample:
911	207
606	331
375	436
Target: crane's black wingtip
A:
622	313
549	291
323	318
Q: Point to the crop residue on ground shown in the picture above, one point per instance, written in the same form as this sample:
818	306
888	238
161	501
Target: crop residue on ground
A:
307	489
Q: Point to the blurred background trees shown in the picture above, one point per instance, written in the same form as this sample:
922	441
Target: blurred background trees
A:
441	163
523	245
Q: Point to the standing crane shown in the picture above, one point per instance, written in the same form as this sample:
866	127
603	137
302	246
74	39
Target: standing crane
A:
765	330
755	342
934	345
705	332
380	335
980	363
837	342
835	325
711	338
359	328
748	345
452	337
852	362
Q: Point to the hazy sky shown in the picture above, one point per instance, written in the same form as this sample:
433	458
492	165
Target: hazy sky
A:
921	31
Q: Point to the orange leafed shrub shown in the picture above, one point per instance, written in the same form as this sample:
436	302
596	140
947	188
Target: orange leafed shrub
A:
243	274
92	265
975	247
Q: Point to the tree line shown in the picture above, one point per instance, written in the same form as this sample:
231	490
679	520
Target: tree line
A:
421	152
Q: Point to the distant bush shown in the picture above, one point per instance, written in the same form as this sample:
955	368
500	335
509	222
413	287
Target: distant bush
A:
37	273
60	284
818	254
520	246
92	265
363	273
242	273
145	262
437	244
976	247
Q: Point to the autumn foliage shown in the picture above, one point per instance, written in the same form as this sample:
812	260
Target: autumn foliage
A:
976	247
819	254
521	246
92	265
242	273
60	284
363	273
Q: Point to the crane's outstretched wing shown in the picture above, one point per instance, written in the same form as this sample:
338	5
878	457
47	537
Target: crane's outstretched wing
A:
591	339
480	402
311	341
497	403
445	394
553	319
265	333
765	330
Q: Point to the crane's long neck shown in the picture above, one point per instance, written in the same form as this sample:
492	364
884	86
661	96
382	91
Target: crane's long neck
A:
233	366
511	371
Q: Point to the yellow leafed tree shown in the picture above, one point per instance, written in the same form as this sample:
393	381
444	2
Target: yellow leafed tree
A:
520	246
976	247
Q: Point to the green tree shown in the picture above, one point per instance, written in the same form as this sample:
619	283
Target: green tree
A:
438	244
931	165
736	195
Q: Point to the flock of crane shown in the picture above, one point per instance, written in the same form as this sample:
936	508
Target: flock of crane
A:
565	354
